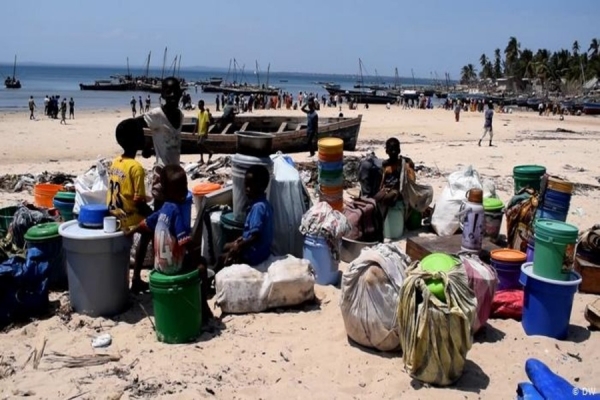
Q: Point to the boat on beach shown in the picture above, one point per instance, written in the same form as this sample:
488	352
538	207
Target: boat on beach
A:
289	133
109	85
591	107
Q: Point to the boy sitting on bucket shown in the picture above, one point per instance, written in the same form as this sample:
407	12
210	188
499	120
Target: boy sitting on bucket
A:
173	254
254	246
391	186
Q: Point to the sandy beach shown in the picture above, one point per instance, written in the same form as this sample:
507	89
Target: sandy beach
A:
303	352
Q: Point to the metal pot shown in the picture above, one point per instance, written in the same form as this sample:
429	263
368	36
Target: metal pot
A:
257	144
351	249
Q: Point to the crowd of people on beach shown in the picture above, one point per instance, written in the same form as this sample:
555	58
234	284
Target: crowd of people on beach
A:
53	105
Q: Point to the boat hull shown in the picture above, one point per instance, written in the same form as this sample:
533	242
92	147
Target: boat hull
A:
116	87
591	108
287	141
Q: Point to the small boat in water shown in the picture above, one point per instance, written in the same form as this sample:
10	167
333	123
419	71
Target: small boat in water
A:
289	133
108	85
11	82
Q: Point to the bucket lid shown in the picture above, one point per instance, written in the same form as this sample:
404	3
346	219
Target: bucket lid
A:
492	204
330	143
65	196
533	170
160	280
556	229
48	230
475	195
204	188
508	255
436	262
228	219
72	230
574	277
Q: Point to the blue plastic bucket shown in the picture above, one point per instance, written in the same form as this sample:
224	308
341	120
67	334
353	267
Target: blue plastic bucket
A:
555	196
65	209
554	215
331	165
530	250
317	251
547	303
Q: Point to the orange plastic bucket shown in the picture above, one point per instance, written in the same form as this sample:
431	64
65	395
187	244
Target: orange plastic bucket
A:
560	185
331	146
43	194
331	190
337	205
201	190
331	157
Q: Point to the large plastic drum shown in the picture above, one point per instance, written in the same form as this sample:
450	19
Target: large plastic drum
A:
97	269
239	165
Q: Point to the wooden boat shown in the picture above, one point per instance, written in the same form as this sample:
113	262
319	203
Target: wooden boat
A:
591	108
11	82
109	85
289	133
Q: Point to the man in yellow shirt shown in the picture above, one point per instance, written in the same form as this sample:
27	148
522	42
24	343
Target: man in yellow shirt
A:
202	130
126	197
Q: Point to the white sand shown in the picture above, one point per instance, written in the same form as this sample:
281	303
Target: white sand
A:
299	354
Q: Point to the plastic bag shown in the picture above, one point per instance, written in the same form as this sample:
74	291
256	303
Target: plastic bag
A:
483	280
278	282
508	304
445	220
436	335
92	187
369	299
289	205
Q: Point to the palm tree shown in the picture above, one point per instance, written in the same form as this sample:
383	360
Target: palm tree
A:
594	48
512	54
575	48
497	64
468	74
483	60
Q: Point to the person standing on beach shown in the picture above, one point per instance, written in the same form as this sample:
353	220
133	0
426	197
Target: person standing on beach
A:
133	103
63	111
457	108
487	126
202	130
46	102
217	103
141	105
164	123
148	101
312	128
71	108
31	107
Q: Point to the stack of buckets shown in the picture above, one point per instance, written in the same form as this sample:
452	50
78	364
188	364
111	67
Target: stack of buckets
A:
556	201
64	202
331	172
549	282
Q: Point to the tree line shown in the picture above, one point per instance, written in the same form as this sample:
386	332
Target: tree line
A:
575	65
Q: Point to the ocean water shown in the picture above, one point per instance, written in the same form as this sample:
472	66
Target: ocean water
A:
41	80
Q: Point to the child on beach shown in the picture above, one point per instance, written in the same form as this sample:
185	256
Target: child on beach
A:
63	111
391	186
254	246
126	197
172	237
164	123
487	126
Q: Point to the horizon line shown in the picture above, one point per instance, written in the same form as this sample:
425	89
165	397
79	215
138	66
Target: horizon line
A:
50	64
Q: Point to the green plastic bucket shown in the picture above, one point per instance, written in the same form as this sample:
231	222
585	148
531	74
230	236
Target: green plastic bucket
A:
7	215
528	176
554	249
177	309
438	262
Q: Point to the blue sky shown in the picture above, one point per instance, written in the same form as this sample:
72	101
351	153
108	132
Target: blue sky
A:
325	36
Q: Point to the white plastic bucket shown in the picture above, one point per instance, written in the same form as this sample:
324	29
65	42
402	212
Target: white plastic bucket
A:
239	165
393	226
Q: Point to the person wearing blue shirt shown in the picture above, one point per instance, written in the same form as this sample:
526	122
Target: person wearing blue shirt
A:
312	125
254	246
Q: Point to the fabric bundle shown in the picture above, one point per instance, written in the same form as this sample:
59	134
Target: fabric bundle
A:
323	221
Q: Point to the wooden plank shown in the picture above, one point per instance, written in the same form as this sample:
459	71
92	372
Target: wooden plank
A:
282	127
419	247
210	128
244	126
298	127
226	128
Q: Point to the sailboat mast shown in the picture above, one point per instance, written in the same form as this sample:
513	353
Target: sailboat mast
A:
162	75
413	78
128	72
148	64
15	68
179	67
268	70
257	73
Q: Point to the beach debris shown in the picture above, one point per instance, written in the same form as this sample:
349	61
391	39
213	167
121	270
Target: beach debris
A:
209	391
103	340
7	366
572	168
21	393
147	316
38	354
143	389
26	182
81	361
217	170
78	395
